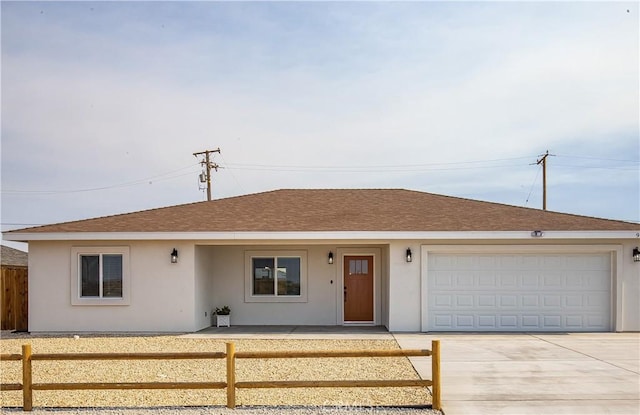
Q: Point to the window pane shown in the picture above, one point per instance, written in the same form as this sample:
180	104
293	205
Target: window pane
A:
358	267
263	281
288	276
90	275
112	276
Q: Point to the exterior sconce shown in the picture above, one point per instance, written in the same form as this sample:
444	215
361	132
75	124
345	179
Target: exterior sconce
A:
174	256
537	234
409	258
636	254
330	258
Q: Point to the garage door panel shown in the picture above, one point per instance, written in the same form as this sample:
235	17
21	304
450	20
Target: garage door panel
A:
575	281
518	292
509	322
443	321
465	321
552	302
508	301
487	280
552	281
530	301
576	301
552	262
507	280
592	280
465	279
530	280
487	301
530	322
445	301
487	322
443	279
464	301
595	321
596	301
575	322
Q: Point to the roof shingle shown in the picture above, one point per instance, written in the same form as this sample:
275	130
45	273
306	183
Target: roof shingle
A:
13	257
338	210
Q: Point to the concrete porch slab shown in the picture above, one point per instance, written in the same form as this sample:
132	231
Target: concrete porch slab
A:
294	332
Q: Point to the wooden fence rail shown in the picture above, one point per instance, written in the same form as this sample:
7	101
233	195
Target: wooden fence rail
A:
28	386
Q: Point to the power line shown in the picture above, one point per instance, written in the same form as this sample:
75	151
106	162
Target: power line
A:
532	184
20	224
597	158
232	175
159	177
253	166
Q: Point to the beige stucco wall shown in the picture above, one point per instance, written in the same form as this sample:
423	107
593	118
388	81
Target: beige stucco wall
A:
630	284
169	297
404	287
162	294
324	283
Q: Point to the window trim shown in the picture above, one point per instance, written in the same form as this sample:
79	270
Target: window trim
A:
76	278
249	297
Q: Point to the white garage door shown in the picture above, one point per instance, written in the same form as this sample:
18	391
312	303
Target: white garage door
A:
518	292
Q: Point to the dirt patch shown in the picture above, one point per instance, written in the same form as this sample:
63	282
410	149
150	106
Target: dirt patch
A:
206	371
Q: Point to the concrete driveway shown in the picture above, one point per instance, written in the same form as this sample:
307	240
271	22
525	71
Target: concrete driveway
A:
590	373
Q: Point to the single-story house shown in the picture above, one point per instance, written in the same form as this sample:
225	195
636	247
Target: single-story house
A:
407	260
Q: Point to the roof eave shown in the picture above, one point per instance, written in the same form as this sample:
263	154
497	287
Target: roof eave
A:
314	236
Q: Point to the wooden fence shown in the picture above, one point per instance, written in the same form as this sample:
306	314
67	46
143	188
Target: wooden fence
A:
28	386
14	296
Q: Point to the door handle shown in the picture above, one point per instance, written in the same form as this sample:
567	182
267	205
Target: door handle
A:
345	294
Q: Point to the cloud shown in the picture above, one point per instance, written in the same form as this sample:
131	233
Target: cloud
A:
99	94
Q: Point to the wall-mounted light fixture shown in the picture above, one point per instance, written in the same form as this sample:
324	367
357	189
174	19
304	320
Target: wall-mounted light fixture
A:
537	234
174	256
409	257
636	254
330	258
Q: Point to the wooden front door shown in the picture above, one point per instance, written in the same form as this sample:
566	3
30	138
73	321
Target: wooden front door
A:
358	288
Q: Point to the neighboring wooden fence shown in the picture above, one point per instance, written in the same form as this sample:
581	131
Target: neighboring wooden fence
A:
28	386
14	298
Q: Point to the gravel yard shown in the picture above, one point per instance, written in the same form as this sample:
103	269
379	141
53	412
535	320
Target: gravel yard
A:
303	401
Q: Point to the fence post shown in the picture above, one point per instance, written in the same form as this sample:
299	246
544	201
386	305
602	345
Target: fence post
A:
27	397
231	375
435	375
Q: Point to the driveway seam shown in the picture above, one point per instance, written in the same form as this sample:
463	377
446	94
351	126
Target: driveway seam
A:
582	353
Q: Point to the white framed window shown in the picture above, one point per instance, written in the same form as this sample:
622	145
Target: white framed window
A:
276	276
100	275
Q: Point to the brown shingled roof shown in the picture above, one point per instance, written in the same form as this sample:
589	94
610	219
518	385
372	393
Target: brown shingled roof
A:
339	210
13	257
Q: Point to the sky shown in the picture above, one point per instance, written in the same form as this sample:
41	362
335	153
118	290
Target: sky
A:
104	103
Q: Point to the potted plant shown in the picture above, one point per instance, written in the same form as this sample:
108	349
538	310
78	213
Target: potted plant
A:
223	316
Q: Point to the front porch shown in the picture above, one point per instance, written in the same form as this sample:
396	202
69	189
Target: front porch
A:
292	285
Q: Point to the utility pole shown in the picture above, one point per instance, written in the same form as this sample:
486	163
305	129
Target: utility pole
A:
543	161
208	166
